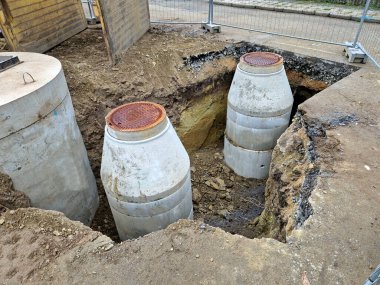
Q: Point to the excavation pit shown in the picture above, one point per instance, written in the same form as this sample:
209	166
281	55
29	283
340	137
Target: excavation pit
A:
336	129
189	74
193	89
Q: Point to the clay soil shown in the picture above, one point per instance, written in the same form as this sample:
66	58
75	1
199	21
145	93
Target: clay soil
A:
154	70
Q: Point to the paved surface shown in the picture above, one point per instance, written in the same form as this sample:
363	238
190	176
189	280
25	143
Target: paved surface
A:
320	9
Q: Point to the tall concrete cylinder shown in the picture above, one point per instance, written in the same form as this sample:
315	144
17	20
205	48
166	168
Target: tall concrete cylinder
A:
40	143
145	170
259	106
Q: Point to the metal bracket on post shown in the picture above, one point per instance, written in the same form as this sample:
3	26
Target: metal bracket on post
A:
210	26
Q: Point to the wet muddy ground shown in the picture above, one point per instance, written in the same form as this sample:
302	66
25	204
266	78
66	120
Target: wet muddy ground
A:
222	198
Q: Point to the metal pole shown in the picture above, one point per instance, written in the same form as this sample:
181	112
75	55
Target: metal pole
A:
354	44
210	12
89	2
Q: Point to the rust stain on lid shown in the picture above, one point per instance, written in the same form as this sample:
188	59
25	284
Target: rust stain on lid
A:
137	116
262	59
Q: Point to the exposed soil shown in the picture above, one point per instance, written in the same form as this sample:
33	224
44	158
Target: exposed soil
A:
153	70
45	248
32	239
179	68
9	197
222	198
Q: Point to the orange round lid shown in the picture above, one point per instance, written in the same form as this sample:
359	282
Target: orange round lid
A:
135	117
262	59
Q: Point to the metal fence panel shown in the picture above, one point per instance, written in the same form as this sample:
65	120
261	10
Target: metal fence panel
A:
302	26
369	39
272	17
178	11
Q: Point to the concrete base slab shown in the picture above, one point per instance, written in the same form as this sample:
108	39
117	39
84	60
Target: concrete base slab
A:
211	28
355	55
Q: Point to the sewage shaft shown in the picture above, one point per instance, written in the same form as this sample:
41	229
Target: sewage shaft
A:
259	107
145	170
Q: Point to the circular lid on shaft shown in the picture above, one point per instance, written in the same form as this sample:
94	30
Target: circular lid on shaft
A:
261	58
133	118
261	62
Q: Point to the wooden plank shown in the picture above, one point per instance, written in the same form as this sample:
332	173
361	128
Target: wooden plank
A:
37	26
43	8
123	23
21	25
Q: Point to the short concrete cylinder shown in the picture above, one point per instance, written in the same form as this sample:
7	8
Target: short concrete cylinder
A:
145	170
40	143
259	106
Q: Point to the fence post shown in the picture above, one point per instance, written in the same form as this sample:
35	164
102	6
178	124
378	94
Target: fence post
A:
89	3
365	10
210	26
210	12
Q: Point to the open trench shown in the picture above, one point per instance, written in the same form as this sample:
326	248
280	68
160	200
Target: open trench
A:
249	207
226	200
44	247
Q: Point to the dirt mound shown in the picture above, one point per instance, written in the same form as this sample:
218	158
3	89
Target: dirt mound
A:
189	73
32	238
9	197
44	247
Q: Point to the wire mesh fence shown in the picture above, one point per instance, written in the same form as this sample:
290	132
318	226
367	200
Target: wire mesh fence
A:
181	11
274	17
317	28
88	8
369	39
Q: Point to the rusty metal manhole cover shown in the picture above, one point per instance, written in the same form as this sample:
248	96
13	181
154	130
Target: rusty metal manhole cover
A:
261	58
136	116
